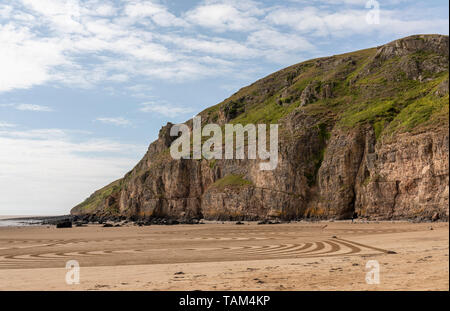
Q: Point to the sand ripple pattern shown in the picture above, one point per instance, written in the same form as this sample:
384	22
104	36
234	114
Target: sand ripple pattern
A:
150	250
96	246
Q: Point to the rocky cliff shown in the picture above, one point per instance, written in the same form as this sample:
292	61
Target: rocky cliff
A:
364	132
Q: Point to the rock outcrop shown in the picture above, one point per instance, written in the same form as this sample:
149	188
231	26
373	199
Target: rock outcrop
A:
365	133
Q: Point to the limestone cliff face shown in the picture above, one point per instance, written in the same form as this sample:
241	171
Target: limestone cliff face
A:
364	132
403	178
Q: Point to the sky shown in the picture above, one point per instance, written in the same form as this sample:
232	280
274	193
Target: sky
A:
85	85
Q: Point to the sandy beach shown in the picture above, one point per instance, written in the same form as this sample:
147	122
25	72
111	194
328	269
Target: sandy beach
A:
295	256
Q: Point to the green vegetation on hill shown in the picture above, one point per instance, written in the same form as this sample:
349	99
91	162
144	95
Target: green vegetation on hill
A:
392	94
231	181
97	199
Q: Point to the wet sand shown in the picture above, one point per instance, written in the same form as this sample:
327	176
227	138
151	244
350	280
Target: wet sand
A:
296	256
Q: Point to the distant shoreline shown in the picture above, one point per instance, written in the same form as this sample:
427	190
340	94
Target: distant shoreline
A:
35	217
20	221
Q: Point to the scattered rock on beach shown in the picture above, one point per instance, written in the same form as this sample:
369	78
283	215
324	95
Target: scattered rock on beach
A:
64	224
268	222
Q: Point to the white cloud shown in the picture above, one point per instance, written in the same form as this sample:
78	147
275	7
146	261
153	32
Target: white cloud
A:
283	48
52	174
75	44
84	43
156	12
214	45
62	16
352	2
222	17
32	107
25	60
165	109
30	56
320	22
120	77
35	134
114	121
185	69
151	51
5	10
6	124
269	38
28	107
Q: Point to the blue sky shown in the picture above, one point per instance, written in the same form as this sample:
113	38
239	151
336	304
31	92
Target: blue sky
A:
85	86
